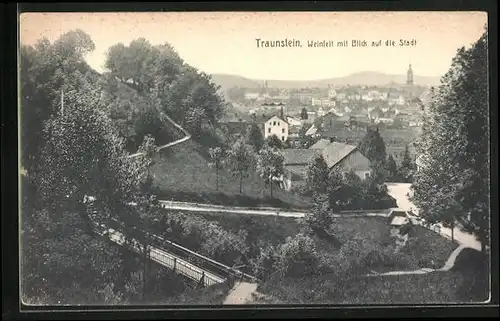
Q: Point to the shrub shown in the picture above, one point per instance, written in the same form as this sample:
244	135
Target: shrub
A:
297	257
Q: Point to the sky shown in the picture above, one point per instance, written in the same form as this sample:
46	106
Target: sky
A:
225	42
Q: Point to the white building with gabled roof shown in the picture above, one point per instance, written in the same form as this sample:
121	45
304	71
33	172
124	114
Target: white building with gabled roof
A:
276	126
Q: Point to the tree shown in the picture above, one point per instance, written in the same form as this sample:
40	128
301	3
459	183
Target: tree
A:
241	158
319	218
373	147
352	190
392	169
453	184
46	69
270	165
188	96
317	180
407	168
217	161
335	189
303	114
274	142
255	137
305	141
83	146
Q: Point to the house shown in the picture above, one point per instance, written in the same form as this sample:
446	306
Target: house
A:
293	121
337	156
312	131
332	120
276	126
343	156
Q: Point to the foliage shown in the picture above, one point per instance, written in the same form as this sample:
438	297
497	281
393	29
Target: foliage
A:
305	141
453	184
352	191
207	237
373	147
241	158
270	166
335	189
319	217
189	97
255	137
45	70
408	167
303	113
317	179
392	169
274	142
297	257
217	161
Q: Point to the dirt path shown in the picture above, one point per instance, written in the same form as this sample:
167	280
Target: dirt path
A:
241	293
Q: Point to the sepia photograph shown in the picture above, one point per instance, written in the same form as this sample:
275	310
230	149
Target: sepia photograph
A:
254	158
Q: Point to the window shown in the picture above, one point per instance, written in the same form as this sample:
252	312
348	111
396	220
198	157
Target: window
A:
269	130
367	175
278	123
282	130
283	138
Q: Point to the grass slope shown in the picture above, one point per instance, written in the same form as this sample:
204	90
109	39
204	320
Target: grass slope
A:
424	249
183	173
437	287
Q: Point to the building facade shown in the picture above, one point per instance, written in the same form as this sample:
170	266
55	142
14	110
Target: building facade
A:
276	126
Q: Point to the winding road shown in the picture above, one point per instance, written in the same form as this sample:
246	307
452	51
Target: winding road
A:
400	192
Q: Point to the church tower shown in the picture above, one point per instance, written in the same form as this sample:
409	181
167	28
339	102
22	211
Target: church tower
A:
409	76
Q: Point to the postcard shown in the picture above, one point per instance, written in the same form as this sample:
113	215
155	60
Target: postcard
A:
254	158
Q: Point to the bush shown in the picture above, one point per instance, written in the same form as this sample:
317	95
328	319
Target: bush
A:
297	257
207	237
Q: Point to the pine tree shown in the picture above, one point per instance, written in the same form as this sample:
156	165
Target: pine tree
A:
303	114
373	147
453	184
392	169
407	168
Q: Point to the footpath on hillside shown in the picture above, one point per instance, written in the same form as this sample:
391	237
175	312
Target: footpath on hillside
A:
241	293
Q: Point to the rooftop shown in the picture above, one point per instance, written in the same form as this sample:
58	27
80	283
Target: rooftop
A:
333	152
296	156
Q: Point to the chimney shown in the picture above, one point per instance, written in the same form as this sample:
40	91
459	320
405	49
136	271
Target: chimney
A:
282	114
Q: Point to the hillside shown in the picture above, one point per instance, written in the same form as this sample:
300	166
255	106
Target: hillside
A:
368	78
183	173
227	81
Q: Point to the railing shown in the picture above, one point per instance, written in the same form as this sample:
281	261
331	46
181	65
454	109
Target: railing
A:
206	271
176	264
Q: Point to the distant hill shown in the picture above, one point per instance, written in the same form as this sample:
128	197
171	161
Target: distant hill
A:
227	81
368	78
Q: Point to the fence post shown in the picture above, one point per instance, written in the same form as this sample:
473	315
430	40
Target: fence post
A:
202	279
175	264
